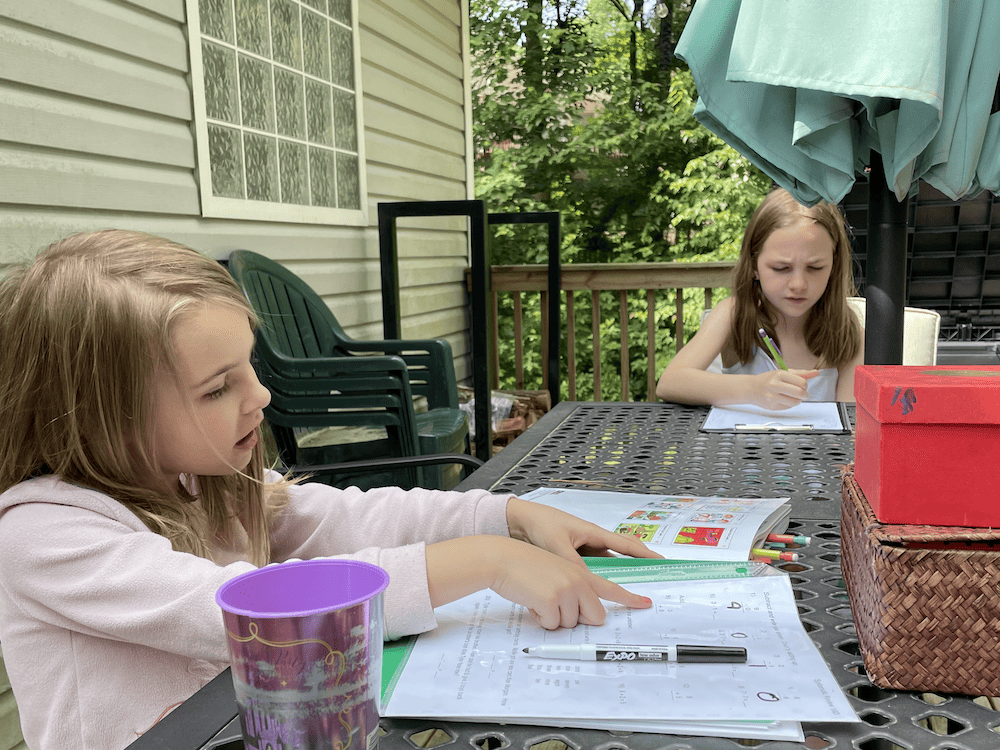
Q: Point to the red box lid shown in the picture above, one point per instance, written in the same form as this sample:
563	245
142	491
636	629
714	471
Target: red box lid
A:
931	394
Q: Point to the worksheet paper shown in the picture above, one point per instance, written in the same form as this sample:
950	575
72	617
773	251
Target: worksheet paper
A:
471	667
814	416
679	527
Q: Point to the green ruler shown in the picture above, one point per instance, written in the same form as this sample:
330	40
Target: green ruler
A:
630	570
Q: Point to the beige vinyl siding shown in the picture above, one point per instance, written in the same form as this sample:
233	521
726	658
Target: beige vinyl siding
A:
413	75
96	131
33	117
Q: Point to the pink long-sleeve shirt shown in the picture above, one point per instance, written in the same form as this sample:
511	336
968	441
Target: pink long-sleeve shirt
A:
105	627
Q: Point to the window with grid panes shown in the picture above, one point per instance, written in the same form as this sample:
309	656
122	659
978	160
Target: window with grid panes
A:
277	109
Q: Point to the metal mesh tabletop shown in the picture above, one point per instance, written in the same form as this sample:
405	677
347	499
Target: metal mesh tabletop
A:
659	448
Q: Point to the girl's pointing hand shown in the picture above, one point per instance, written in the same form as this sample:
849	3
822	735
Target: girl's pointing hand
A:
566	535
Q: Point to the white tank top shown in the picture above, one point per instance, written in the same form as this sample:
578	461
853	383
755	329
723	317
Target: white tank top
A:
823	387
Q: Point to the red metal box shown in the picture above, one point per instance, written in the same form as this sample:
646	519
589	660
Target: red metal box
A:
927	443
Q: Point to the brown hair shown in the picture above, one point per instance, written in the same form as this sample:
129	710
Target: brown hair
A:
832	329
84	328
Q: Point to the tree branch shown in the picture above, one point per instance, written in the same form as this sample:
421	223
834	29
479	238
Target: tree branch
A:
620	7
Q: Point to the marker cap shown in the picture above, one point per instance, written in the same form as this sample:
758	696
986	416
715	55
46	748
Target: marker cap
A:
712	654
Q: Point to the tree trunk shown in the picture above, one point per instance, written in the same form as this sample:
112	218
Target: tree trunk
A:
533	52
665	43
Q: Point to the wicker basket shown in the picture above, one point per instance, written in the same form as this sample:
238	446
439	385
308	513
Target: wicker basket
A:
927	618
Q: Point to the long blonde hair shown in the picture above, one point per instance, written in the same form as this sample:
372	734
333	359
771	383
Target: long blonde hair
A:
833	331
83	330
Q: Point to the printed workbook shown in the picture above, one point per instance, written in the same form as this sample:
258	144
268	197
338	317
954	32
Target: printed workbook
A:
679	527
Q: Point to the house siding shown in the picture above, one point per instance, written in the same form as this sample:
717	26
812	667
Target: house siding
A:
96	131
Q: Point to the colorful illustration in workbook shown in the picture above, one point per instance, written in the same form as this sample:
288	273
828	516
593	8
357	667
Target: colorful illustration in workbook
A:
702	536
644	532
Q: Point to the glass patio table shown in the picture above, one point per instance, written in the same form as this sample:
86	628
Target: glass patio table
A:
659	448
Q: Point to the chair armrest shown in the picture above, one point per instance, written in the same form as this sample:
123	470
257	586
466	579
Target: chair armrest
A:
434	347
293	375
431	459
434	356
196	721
347	468
304	372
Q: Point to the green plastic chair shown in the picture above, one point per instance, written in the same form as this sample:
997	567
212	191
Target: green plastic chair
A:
320	377
367	465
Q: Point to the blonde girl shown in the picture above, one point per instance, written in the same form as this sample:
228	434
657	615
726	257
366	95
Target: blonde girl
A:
792	280
133	486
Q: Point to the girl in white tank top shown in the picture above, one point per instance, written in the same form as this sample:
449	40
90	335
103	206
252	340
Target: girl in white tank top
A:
792	281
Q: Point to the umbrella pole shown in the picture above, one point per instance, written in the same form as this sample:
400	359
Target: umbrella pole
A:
885	271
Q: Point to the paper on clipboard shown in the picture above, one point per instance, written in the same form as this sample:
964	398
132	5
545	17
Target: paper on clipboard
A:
808	416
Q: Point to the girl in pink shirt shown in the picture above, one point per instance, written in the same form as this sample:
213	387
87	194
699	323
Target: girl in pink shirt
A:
134	484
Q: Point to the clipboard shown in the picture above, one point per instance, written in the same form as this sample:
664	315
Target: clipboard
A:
811	417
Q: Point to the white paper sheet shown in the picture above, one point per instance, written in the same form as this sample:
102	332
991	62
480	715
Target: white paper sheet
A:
810	415
472	665
679	527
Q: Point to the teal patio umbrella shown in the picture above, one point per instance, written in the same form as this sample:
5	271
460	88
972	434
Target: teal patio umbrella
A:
817	94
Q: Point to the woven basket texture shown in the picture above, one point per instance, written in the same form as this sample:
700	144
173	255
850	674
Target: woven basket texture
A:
926	619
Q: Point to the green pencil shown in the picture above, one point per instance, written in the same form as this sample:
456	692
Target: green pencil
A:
773	348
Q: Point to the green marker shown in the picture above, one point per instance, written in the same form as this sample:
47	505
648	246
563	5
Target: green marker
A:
775	354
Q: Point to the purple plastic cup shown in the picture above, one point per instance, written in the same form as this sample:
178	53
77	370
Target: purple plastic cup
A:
305	644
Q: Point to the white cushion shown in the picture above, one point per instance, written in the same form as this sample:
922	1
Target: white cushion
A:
920	331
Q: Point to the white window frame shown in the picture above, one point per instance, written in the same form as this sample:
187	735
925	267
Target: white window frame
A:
214	206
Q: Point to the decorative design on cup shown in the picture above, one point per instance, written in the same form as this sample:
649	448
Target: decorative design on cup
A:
330	656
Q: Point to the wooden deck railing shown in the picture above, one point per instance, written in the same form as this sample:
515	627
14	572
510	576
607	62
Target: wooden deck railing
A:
596	278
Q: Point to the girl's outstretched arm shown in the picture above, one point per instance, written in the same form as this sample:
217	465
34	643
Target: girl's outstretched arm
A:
685	380
558	592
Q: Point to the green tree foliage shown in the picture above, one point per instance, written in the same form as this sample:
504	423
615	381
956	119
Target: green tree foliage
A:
580	108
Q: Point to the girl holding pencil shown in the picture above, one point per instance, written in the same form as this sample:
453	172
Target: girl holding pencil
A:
787	334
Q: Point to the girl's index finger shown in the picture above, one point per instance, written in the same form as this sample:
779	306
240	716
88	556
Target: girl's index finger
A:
612	592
